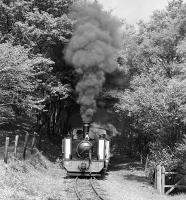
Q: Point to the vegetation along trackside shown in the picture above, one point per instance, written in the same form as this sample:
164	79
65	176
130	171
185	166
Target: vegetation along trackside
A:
86	92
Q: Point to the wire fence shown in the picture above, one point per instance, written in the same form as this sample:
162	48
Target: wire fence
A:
19	146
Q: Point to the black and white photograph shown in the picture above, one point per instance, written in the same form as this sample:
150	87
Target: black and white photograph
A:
92	99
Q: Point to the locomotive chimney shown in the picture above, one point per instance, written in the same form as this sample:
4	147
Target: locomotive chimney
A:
85	129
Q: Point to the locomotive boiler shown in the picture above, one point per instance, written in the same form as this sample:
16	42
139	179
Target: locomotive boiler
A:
86	152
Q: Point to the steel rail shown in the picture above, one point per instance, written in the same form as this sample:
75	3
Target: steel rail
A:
76	190
92	186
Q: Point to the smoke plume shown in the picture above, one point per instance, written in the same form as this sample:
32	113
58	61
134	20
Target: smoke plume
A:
91	51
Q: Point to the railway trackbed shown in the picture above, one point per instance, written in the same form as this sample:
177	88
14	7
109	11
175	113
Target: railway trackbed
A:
88	189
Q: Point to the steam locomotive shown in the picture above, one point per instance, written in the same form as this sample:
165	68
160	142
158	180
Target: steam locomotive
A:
86	152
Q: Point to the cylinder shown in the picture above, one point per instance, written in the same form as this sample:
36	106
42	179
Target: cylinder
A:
85	129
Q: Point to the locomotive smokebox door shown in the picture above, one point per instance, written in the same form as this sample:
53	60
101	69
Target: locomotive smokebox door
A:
83	149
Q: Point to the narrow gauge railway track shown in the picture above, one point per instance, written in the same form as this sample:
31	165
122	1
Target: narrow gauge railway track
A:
86	189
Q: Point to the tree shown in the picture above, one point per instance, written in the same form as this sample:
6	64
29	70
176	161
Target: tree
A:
18	82
40	27
155	59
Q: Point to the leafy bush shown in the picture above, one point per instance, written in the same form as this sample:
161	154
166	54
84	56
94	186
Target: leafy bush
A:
19	73
180	154
172	159
162	156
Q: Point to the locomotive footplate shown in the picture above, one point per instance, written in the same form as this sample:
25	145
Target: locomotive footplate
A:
83	167
83	174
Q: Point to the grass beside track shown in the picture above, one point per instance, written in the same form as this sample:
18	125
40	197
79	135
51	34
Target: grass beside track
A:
33	179
128	181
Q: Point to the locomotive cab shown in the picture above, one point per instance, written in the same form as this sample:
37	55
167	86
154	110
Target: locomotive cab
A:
87	156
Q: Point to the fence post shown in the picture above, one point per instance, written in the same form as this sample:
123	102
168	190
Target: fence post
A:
33	142
146	162
6	150
25	145
155	178
162	180
39	141
16	143
159	186
141	158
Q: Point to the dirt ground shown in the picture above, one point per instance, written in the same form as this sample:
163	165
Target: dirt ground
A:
127	181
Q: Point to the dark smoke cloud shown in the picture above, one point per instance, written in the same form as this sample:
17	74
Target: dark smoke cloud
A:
91	50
